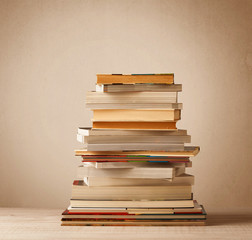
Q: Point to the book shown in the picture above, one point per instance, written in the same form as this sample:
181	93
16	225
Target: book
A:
188	152
145	171
135	223
135	125
183	179
81	191
133	139
142	87
138	158
196	208
189	216
167	78
131	97
81	203
145	115
118	132
133	105
135	147
134	164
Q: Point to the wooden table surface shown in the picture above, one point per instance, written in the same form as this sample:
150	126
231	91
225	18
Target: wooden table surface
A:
21	223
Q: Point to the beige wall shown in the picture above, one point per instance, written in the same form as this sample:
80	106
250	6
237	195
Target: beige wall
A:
50	52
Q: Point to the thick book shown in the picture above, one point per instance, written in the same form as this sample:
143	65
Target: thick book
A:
133	139
165	78
145	171
183	179
118	132
81	203
132	97
136	125
81	191
188	152
135	115
142	87
135	147
125	105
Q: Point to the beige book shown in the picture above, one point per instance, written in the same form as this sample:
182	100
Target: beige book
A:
133	105
139	88
139	172
132	97
134	210
132	192
188	152
183	179
81	203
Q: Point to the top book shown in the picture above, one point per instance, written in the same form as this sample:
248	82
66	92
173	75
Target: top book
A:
163	78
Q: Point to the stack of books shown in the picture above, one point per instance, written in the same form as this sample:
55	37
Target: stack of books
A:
134	160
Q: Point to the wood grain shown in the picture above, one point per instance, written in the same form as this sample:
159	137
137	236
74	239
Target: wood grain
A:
17	223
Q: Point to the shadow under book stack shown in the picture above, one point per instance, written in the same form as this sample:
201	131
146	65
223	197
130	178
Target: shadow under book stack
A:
134	158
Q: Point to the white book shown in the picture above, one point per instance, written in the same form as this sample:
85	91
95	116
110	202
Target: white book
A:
139	88
135	147
184	179
87	131
133	105
133	139
136	164
131	97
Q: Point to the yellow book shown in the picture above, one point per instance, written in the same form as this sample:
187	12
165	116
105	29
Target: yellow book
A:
144	115
135	125
135	78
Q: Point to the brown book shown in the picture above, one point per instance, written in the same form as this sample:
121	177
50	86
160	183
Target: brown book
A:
107	115
136	223
135	125
138	78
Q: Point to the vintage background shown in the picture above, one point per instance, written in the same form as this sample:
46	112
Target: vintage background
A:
50	52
